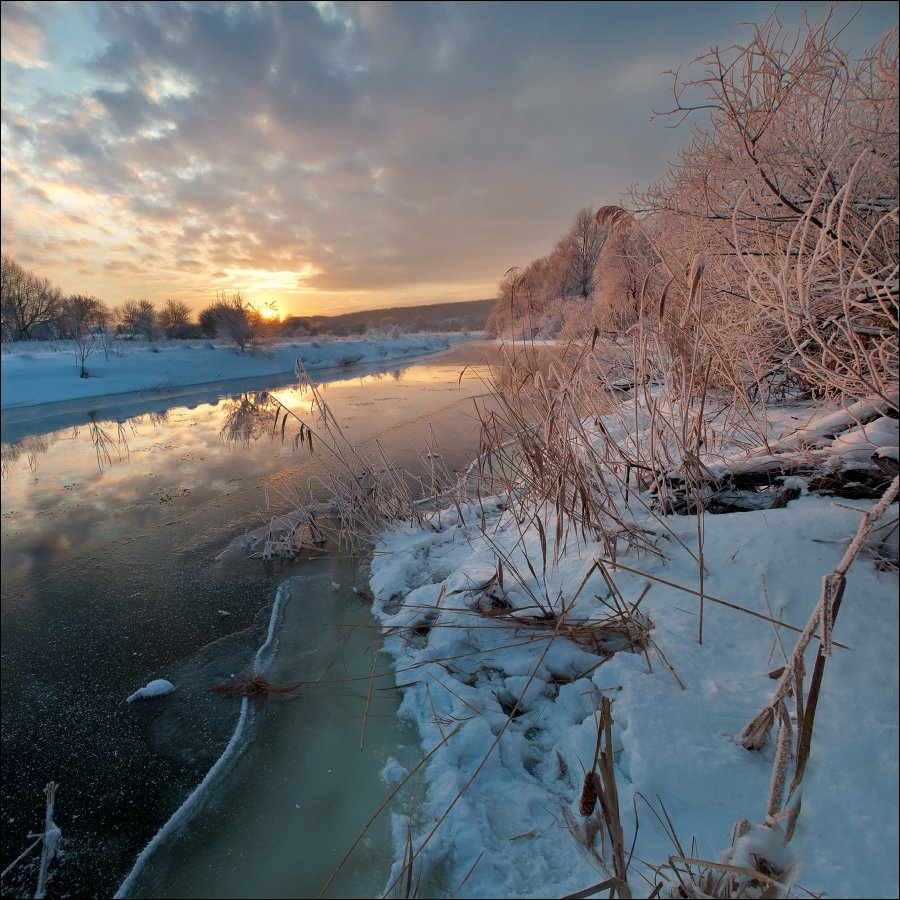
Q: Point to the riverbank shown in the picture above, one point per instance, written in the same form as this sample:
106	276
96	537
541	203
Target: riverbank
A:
36	372
113	576
506	633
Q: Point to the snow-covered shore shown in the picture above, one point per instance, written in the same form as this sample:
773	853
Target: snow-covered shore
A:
504	789
36	373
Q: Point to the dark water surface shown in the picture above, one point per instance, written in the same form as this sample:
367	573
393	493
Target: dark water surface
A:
111	530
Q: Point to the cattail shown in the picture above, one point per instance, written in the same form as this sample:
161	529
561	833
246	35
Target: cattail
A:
696	275
614	217
662	300
589	793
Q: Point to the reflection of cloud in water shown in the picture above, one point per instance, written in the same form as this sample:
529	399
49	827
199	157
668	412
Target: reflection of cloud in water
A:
212	449
44	552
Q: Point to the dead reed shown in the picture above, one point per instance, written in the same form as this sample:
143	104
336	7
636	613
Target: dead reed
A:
254	687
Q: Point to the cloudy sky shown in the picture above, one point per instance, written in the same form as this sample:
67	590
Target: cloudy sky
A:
333	156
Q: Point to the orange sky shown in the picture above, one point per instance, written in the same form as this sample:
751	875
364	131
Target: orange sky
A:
332	157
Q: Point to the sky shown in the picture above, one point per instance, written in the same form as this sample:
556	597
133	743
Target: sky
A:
330	157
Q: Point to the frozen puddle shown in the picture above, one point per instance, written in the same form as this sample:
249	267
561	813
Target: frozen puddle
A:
282	806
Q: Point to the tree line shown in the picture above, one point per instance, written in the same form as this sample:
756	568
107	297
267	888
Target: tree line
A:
34	308
768	252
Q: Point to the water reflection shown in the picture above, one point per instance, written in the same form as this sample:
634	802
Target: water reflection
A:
108	480
158	418
244	419
109	440
112	576
30	447
249	417
105	444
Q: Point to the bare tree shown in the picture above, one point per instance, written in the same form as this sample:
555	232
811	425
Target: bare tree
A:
174	317
27	300
82	315
235	319
580	247
139	317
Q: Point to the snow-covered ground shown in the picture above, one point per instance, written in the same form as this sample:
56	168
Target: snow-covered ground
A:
499	815
46	372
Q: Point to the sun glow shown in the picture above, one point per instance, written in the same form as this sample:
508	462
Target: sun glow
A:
255	281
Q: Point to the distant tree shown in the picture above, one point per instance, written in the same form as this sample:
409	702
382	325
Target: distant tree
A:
139	317
296	326
234	319
82	313
81	316
175	318
26	300
207	320
620	276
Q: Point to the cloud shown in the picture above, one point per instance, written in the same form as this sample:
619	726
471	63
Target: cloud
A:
372	149
22	35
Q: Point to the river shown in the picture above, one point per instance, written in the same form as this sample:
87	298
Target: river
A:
114	519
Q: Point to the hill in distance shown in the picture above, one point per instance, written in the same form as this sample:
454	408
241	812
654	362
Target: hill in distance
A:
464	315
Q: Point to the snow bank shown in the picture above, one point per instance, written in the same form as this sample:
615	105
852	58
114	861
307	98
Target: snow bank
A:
503	792
44	372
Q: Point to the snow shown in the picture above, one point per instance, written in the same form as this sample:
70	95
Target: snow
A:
502	792
393	773
159	687
833	439
52	837
44	372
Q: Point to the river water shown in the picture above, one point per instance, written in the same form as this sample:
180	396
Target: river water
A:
114	518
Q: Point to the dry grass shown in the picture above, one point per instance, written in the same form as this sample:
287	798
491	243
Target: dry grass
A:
254	687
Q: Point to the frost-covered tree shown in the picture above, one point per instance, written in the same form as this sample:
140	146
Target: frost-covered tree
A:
82	316
620	275
580	247
788	192
139	317
174	317
27	301
533	299
235	320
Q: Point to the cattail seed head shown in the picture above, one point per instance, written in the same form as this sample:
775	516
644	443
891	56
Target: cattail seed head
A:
589	794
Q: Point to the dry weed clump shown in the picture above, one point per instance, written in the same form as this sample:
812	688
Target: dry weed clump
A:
254	687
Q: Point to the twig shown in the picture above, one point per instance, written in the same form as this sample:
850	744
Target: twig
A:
51	841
